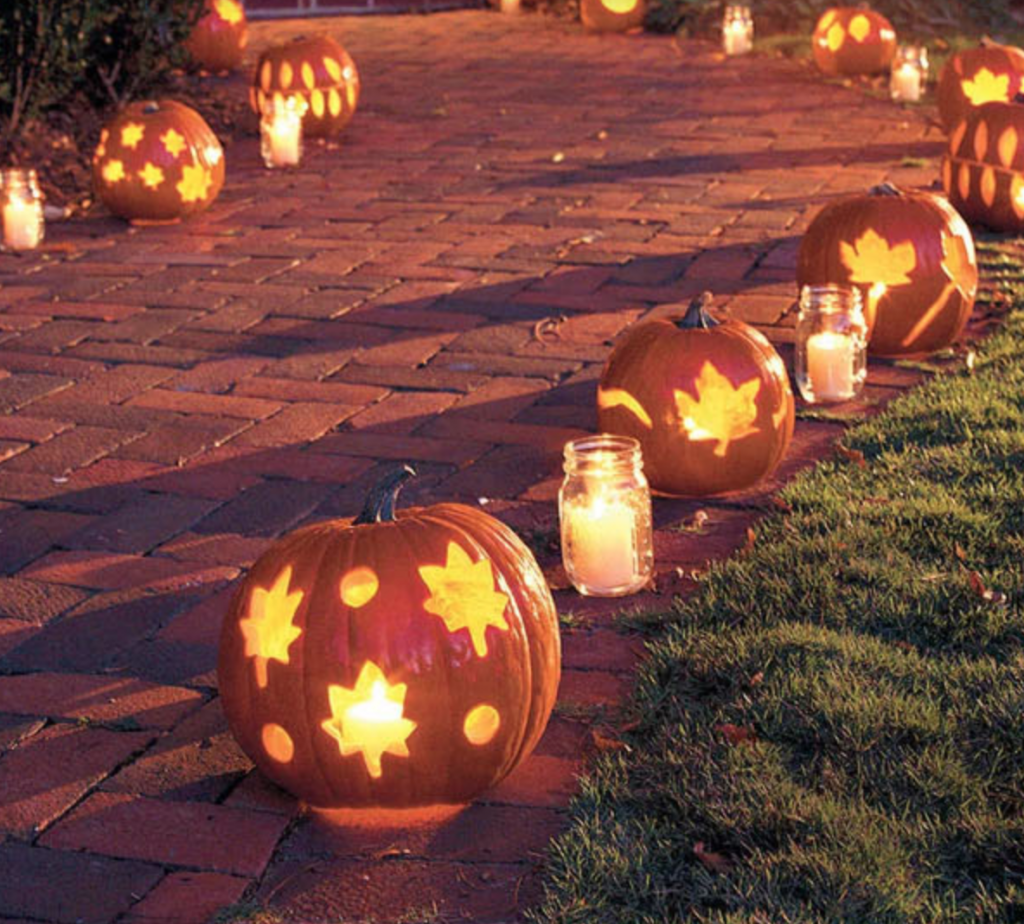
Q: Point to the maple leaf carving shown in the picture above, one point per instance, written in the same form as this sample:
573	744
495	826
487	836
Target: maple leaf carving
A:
720	411
872	259
986	87
268	629
195	183
368	718
462	593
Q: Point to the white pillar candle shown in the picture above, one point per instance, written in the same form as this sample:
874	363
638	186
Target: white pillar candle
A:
285	130
602	530
736	38
906	83
23	224
830	366
510	6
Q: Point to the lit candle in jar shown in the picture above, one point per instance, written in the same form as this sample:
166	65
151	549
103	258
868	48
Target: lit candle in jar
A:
906	83
22	212
510	6
603	541
830	366
737	31
281	133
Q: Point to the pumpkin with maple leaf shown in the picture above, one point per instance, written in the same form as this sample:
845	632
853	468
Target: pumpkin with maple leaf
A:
983	173
990	73
401	660
911	255
709	401
853	40
157	161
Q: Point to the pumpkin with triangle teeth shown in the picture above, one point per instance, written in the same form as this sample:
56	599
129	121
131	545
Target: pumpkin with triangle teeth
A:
319	71
708	400
990	73
912	257
403	660
853	40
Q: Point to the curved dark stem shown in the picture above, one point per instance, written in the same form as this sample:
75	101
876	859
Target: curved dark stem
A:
380	502
697	314
1019	99
885	189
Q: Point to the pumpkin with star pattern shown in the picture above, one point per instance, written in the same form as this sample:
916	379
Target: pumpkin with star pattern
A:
157	161
402	660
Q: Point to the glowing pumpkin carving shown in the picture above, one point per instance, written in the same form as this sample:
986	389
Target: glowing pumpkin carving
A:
317	69
219	38
611	15
984	172
401	660
853	40
911	255
157	161
709	401
989	73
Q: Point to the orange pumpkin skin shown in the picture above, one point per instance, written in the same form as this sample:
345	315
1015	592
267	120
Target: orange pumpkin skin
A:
663	372
317	69
612	15
971	78
218	40
983	174
912	257
157	161
364	600
852	40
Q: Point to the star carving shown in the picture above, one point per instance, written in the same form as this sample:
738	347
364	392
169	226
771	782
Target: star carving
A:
368	718
132	134
113	171
268	629
151	175
462	593
195	183
173	142
720	411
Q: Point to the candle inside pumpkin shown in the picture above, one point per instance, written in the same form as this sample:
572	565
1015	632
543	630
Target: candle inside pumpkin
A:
830	366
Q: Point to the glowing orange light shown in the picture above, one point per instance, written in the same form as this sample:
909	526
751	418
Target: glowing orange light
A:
229	11
860	27
871	258
481	724
368	719
462	593
358	587
113	171
986	87
308	77
608	398
720	411
173	142
195	183
132	134
152	176
277	743
333	68
619	6
835	37
1007	146
268	629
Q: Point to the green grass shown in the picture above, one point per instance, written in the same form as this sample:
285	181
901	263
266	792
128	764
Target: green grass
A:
833	726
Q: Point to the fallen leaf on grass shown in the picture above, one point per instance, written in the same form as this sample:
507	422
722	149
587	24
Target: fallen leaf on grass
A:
751	539
737	734
852	455
604	742
978	586
959	552
715	862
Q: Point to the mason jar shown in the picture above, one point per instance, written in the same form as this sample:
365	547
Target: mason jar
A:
737	30
831	344
604	507
21	204
281	131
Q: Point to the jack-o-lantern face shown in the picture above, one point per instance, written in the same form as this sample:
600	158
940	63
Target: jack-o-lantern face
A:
853	40
612	15
710	402
157	161
320	71
983	174
911	255
219	38
398	661
990	73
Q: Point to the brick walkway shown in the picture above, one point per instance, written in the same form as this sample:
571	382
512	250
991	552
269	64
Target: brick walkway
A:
176	397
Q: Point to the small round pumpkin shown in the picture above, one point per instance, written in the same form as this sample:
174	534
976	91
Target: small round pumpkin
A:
157	161
217	41
317	69
853	40
911	255
611	15
709	401
402	660
989	73
983	173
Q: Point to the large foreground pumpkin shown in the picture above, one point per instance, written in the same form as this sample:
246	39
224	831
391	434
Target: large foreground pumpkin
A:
403	660
911	255
709	401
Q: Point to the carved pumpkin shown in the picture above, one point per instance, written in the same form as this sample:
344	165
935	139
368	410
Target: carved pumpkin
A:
400	660
987	74
317	69
984	172
611	15
219	38
157	161
912	257
853	40
708	400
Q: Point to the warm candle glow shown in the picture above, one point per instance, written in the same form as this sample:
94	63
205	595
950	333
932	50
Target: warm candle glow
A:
830	366
22	224
737	31
510	6
906	83
603	541
281	133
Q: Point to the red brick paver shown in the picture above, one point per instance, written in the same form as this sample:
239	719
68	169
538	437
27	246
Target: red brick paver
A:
441	287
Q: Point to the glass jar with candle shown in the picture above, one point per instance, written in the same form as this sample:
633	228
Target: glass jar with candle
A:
737	30
831	344
21	203
604	506
909	73
281	131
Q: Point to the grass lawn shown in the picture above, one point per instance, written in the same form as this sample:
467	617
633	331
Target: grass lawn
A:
832	729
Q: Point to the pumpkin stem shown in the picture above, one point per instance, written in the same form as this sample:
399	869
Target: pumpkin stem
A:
885	189
1019	98
697	314
380	502
150	107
